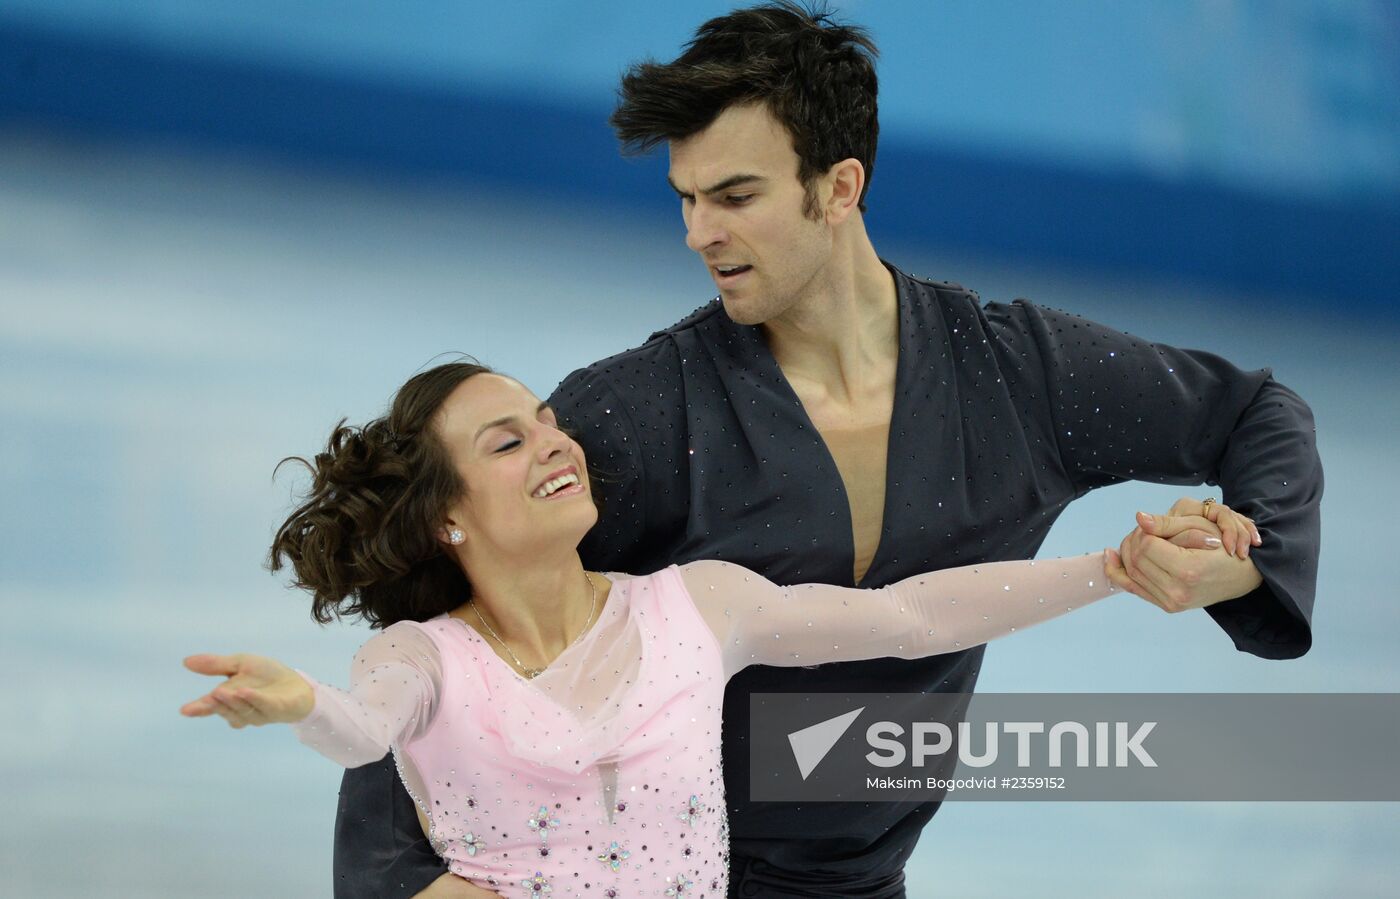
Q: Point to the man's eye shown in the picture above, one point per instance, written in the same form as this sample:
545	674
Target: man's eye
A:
510	445
739	199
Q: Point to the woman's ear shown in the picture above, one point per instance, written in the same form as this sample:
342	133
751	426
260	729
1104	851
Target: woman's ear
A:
451	534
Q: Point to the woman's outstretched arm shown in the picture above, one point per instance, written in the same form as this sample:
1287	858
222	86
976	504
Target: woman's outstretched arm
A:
758	622
395	680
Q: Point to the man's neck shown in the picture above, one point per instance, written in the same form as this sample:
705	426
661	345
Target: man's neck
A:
842	339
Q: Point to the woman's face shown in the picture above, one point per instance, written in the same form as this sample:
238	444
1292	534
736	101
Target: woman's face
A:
527	482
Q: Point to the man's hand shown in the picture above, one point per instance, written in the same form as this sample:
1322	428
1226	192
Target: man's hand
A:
450	886
1159	563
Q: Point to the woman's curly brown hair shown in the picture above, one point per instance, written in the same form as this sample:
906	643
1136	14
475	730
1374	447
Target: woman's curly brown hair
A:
364	542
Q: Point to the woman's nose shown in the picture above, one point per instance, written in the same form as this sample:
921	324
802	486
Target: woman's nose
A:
552	443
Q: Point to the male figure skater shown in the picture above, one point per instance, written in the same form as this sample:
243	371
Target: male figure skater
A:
831	418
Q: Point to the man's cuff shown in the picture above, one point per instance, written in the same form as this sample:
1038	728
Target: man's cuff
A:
1263	624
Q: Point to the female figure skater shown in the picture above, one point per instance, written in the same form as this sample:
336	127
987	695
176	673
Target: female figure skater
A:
559	728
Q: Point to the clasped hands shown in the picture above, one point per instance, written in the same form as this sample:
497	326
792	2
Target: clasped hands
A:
1194	556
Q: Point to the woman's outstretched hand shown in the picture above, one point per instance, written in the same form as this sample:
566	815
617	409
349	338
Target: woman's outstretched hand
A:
259	690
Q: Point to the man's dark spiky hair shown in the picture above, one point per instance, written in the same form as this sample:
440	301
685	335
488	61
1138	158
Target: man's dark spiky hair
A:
816	77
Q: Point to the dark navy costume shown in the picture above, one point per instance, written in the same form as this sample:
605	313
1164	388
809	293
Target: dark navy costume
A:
1002	415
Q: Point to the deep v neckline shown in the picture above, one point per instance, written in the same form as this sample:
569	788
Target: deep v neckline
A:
901	380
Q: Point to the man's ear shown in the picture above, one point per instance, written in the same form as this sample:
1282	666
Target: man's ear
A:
846	180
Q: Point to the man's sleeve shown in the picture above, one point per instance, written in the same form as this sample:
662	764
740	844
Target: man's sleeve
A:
1121	408
380	850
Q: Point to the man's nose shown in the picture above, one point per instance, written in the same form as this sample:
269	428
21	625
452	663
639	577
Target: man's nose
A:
704	230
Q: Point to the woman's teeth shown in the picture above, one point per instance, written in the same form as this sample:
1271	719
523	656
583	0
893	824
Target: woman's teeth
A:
555	484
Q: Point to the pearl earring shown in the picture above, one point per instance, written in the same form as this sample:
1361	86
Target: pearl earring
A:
455	537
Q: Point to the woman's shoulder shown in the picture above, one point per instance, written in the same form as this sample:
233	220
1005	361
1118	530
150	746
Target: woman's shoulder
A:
708	575
407	640
661	579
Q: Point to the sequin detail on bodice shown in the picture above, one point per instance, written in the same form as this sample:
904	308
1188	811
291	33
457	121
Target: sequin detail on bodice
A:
546	787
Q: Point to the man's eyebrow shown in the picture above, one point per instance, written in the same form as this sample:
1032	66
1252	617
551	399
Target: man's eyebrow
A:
507	420
730	182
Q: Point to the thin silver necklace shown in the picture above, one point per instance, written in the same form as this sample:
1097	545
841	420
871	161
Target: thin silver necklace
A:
529	672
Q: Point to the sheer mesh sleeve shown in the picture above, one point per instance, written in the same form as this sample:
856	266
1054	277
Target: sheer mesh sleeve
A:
394	684
758	622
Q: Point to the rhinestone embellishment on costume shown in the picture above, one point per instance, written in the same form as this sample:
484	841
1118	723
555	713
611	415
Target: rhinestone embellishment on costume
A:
614	856
694	809
543	822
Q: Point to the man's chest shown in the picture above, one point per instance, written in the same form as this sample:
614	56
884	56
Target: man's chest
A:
952	467
798	500
857	439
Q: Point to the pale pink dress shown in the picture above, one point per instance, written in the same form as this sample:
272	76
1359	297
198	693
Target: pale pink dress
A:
601	777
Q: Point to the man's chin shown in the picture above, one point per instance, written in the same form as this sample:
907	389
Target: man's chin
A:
743	311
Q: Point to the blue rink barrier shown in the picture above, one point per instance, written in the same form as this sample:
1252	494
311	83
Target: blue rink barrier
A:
1339	254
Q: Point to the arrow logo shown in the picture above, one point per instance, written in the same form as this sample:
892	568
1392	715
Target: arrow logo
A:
811	744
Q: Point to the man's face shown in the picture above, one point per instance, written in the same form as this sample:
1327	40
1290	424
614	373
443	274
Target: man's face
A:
743	210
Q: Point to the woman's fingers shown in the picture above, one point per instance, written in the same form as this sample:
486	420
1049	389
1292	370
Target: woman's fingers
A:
208	663
1236	532
1249	533
1194	539
227	712
214	666
219	701
260	708
231	700
235	700
1225	519
1229	529
258	690
1186	531
1245	532
1234	524
198	708
1168	526
243	707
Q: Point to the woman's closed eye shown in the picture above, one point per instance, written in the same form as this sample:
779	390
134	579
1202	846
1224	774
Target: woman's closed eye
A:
508	445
